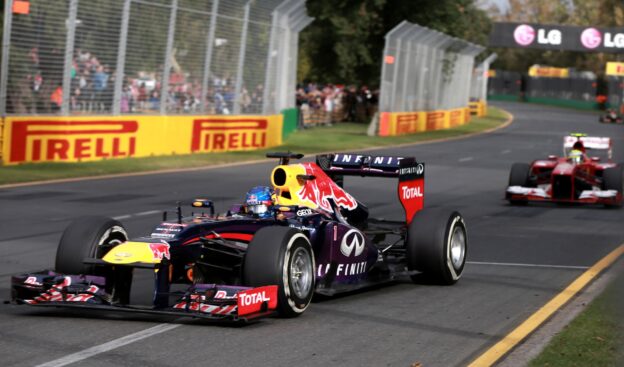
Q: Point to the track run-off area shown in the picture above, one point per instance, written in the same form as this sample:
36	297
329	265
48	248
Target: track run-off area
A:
519	260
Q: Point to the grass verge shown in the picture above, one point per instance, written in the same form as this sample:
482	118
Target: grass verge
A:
594	338
340	137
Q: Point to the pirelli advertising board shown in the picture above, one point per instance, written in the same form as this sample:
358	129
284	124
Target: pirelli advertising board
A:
403	123
82	139
557	37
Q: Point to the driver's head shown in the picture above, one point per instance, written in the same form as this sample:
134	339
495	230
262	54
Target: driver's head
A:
579	146
576	156
258	200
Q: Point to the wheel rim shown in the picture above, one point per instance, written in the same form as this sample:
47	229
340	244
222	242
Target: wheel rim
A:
301	273
458	247
111	238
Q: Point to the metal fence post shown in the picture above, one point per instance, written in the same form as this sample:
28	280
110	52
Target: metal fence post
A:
164	94
270	58
6	47
70	24
241	60
121	58
208	59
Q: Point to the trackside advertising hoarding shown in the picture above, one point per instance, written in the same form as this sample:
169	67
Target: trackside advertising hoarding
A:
93	138
403	123
557	37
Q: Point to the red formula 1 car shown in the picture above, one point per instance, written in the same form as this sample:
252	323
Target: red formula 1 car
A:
573	178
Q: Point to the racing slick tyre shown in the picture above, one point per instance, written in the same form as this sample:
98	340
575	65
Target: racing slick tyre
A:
87	237
282	256
519	176
612	180
437	245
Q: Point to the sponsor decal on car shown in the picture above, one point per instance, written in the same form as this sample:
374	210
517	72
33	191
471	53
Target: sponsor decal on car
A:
318	192
352	243
342	269
254	300
160	251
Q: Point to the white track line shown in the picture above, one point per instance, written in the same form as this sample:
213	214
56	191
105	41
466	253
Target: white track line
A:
149	212
465	159
113	344
529	265
506	151
140	214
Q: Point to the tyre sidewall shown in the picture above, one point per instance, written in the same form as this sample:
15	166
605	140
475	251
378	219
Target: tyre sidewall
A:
82	239
429	245
268	261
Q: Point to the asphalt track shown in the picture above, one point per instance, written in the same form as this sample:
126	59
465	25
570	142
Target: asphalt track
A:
519	258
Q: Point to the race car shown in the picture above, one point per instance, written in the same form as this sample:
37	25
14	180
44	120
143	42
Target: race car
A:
260	258
611	117
573	178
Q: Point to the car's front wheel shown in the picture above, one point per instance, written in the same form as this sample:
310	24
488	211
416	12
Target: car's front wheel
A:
282	256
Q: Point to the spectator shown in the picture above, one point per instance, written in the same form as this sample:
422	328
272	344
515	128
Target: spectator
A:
56	98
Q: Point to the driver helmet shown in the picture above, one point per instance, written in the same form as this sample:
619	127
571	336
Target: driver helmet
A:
577	152
258	200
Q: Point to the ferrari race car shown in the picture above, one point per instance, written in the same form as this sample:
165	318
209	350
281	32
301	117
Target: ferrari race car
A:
239	267
611	117
573	178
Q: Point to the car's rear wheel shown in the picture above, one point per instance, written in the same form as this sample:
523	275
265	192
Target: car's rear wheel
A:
519	176
612	180
437	245
282	256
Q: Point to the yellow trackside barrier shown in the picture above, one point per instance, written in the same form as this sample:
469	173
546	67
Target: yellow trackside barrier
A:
402	123
478	108
1	137
92	138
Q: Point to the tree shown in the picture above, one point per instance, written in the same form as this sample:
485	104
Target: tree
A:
345	42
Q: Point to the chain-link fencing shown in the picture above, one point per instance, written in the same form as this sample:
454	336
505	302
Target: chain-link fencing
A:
505	85
150	56
478	87
578	86
425	70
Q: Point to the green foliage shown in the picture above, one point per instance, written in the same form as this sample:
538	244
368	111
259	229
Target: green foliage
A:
345	42
594	338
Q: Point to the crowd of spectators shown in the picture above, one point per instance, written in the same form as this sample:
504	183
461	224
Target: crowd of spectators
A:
92	85
92	89
330	103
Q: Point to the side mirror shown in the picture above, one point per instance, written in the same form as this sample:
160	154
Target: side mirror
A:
595	159
552	157
204	203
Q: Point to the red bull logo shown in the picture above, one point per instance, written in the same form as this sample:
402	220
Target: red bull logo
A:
54	140
160	251
322	188
219	134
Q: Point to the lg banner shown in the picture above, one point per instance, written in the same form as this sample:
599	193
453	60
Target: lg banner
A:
557	37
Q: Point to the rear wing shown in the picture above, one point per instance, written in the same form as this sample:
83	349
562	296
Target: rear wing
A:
589	142
411	174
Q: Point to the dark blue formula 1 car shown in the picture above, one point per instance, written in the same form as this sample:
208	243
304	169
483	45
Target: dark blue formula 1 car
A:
246	264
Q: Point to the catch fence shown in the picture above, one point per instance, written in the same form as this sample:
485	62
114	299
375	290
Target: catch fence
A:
425	70
98	57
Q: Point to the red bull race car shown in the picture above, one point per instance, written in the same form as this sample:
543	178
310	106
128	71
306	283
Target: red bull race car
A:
576	177
302	236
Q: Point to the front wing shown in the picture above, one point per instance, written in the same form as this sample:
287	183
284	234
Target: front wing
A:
206	301
608	197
